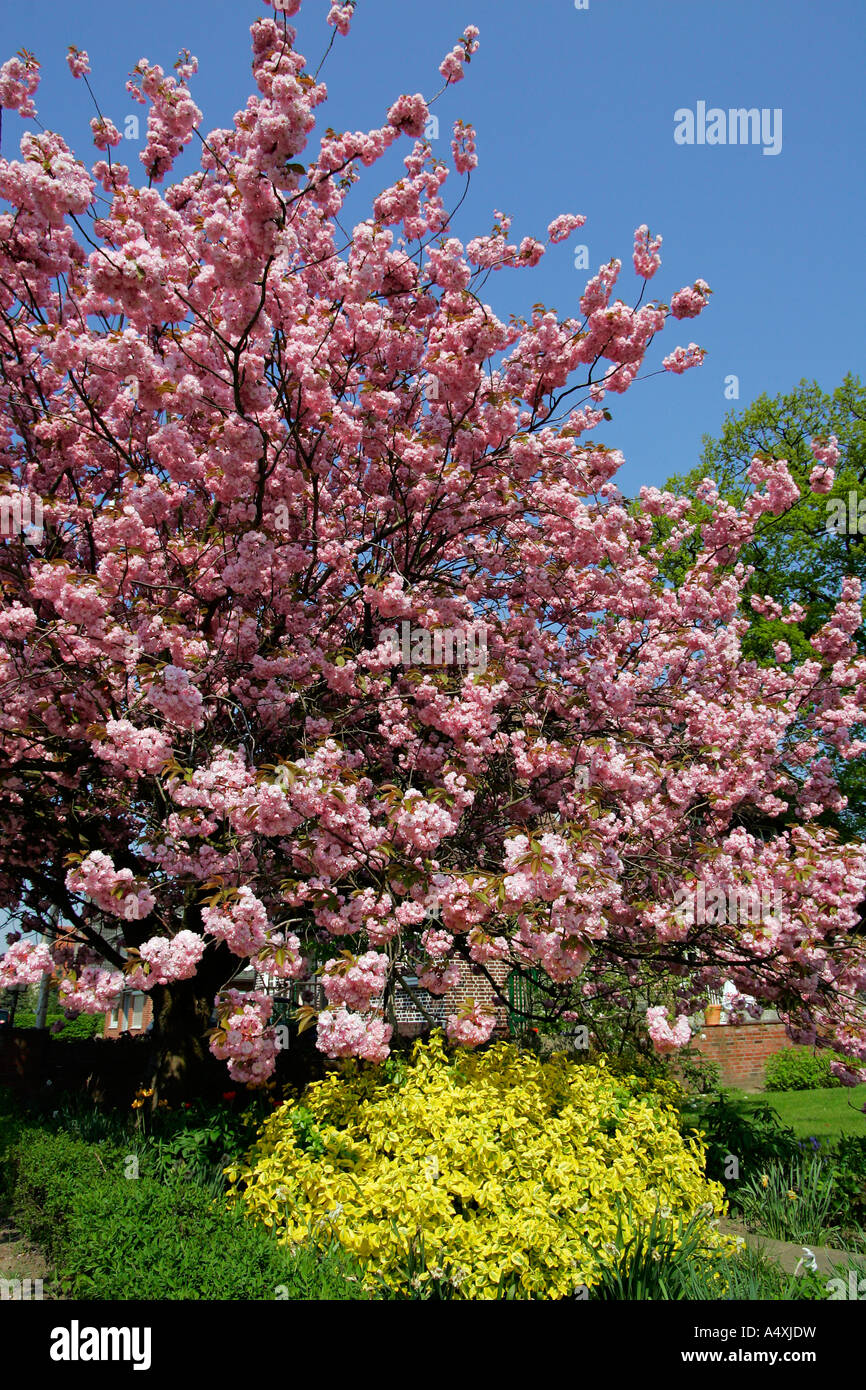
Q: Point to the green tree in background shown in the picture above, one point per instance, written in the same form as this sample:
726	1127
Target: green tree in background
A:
802	556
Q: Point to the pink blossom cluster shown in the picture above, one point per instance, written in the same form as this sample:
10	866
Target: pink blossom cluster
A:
131	750
682	358
646	253
165	959
822	476
49	180
173	115
341	1033
79	62
243	1037
472	1025
781	491
409	115
242	923
19	79
484	948
666	1038
562	227
92	991
25	963
689	302
436	942
105	133
115	891
340	16
282	957
463	148
439	977
355	981
177	698
452	64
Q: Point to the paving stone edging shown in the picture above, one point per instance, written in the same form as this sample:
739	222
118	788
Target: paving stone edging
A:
789	1255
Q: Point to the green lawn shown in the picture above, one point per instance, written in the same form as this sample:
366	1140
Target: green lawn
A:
829	1111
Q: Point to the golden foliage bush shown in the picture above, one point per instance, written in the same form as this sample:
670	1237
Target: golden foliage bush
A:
509	1167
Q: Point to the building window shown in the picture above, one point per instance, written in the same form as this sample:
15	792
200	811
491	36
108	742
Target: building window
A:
130	1016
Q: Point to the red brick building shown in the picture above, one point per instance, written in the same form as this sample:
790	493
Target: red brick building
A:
133	1015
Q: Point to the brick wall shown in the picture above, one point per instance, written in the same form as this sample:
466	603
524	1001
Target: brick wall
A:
741	1050
470	986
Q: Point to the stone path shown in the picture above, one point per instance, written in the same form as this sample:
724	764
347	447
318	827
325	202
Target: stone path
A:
19	1262
788	1255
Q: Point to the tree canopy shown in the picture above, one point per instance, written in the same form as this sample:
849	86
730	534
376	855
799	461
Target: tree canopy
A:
261	445
802	556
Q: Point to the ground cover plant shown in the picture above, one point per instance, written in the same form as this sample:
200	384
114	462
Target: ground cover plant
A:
122	1215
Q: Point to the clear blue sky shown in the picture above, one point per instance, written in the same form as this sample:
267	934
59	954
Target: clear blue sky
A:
575	112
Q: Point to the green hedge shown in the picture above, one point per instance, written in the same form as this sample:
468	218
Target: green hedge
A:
84	1026
113	1237
801	1069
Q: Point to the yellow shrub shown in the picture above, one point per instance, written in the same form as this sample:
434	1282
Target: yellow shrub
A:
508	1166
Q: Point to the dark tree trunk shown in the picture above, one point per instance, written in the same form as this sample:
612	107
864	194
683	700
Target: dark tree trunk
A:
184	1066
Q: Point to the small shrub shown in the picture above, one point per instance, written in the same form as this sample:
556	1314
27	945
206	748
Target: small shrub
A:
700	1076
802	1069
511	1169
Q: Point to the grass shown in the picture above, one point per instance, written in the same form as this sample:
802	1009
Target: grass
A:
826	1113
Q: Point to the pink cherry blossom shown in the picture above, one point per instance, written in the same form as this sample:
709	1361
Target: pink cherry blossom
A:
25	963
92	991
165	959
688	303
472	1026
244	1039
276	423
665	1037
341	1033
646	254
79	62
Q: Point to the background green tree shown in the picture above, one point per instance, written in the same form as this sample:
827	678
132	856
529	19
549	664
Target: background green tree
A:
797	557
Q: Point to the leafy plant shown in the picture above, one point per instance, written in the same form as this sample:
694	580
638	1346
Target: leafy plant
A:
441	1171
699	1075
651	1259
754	1136
848	1156
802	1069
115	1236
792	1201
